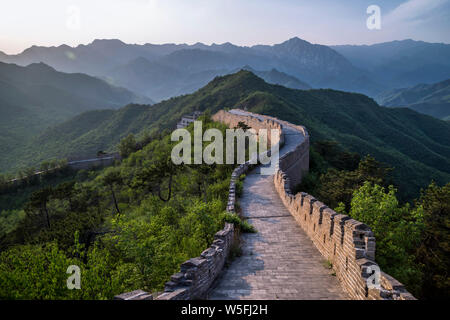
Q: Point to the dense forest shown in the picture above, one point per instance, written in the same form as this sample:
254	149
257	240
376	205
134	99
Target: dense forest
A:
127	227
36	97
412	239
432	99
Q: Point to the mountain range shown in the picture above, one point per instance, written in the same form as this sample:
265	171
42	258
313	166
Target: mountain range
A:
431	99
166	70
36	97
171	69
400	64
418	146
162	80
54	114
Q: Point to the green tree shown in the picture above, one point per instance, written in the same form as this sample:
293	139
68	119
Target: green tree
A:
111	178
34	272
38	201
337	186
397	230
45	166
159	172
242	125
3	183
335	156
65	191
163	221
433	253
38	272
127	145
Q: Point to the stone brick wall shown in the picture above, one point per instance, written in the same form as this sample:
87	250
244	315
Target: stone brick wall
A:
296	163
197	274
232	120
348	244
93	163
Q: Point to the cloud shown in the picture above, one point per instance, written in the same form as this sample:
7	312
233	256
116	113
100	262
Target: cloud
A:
413	11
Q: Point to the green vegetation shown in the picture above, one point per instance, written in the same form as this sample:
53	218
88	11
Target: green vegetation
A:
416	145
433	250
397	229
134	224
39	272
14	195
412	240
243	225
36	97
431	99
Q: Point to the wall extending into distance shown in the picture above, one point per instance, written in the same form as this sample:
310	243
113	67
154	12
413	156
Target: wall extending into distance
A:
346	243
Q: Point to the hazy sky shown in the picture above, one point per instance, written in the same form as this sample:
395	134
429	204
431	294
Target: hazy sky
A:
243	22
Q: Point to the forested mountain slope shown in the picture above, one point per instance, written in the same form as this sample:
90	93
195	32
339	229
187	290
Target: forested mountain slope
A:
416	145
124	64
432	99
36	97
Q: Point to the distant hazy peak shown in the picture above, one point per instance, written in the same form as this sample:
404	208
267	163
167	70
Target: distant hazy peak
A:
107	42
41	66
32	49
407	43
242	76
197	45
296	40
248	68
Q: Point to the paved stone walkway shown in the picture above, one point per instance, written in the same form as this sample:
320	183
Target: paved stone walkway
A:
278	262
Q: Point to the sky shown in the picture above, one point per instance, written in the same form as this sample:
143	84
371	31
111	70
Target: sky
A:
24	23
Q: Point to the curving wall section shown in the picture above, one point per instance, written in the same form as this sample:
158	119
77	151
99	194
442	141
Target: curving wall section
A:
232	120
348	244
197	274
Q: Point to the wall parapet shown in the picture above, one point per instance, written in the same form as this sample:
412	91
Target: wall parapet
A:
348	244
252	120
198	274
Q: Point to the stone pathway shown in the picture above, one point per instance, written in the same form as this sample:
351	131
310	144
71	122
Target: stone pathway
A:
280	261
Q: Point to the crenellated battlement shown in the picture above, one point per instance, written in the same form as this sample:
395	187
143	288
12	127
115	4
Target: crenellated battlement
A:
346	243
